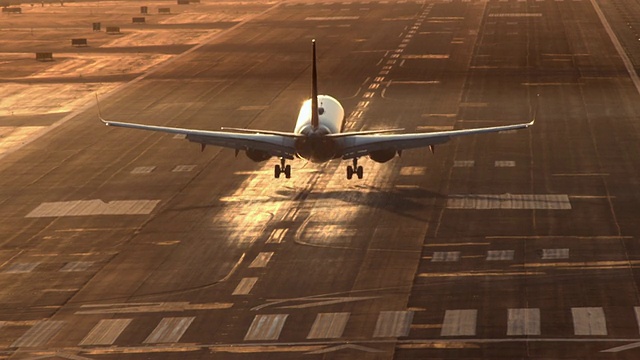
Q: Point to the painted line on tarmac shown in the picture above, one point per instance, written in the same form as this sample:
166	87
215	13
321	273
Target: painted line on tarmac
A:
623	347
616	43
306	346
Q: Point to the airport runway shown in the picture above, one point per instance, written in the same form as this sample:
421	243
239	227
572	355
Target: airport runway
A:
121	244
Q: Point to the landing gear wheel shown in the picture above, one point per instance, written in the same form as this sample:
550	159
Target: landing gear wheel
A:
355	169
282	169
349	172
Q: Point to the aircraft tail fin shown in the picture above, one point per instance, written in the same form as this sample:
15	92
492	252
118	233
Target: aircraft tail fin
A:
315	117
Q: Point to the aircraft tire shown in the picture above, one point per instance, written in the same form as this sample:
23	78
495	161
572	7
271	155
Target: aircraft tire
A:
287	171
349	172
277	172
360	172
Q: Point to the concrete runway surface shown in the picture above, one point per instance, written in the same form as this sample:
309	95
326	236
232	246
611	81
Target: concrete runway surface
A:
122	244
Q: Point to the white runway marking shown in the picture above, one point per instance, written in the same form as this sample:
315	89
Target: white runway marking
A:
328	325
143	170
459	323
245	286
266	327
425	56
504	163
261	260
93	207
589	321
77	266
623	347
21	268
106	332
39	334
184	168
446	18
277	236
509	201
516	15
555	254
445	256
170	330
500	255
393	324
464	163
523	322
356	114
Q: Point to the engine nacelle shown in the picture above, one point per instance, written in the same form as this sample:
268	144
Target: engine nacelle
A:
382	156
257	155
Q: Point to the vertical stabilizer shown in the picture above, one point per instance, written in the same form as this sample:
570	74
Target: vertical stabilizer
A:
315	121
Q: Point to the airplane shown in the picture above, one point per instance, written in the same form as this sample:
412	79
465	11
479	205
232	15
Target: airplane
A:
317	137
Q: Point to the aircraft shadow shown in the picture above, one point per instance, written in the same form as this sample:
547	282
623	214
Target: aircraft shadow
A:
409	203
404	202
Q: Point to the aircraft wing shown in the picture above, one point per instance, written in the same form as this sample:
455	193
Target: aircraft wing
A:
361	145
280	145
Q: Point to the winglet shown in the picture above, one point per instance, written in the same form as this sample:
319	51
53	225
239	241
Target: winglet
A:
535	111
100	112
315	119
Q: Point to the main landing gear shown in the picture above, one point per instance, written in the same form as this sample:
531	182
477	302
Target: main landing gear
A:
355	169
282	168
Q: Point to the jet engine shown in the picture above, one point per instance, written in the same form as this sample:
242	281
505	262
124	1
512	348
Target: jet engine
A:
382	156
257	155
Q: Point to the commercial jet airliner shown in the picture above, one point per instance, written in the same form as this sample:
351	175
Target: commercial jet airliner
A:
318	136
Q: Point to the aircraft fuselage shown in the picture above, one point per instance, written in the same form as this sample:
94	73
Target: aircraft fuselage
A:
315	146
